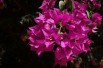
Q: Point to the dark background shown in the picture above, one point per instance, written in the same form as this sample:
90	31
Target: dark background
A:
15	18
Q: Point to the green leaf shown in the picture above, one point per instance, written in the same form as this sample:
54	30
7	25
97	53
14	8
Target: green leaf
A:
70	4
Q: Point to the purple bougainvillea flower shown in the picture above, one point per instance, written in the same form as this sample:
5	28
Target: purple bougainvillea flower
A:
96	4
81	7
59	56
41	39
81	15
56	14
47	4
62	55
96	20
96	17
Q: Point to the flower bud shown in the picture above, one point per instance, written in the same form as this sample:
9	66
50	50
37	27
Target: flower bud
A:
61	5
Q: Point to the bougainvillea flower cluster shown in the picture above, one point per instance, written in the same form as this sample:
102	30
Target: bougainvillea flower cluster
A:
63	32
